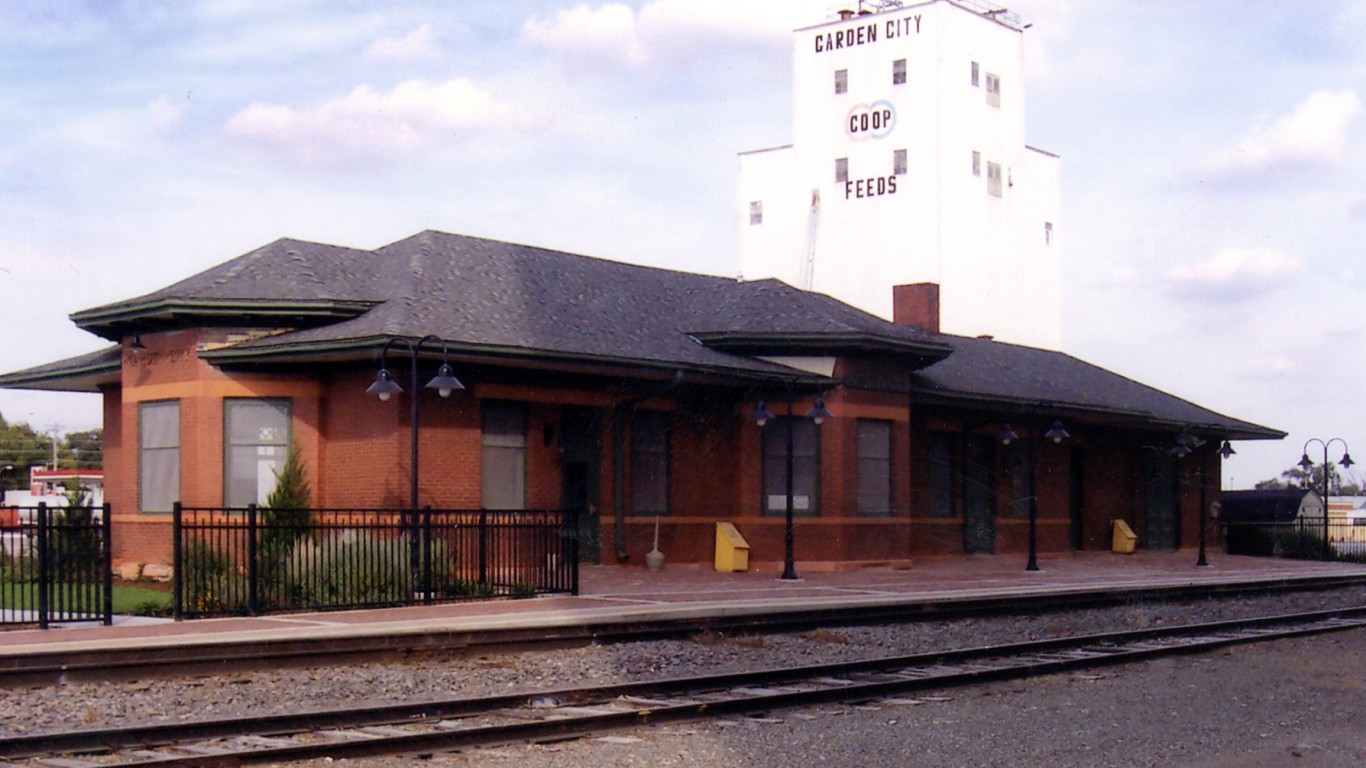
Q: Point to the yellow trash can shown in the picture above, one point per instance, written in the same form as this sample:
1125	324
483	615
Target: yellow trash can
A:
732	551
1124	539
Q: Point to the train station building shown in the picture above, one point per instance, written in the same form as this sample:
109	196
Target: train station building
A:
632	393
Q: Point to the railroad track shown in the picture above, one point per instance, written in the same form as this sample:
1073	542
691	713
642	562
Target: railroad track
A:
163	661
442	726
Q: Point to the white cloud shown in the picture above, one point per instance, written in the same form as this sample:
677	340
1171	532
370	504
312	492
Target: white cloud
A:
415	116
1233	275
124	129
607	35
1312	135
418	44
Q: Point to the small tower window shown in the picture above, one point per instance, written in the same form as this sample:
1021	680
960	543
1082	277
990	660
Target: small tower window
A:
993	90
994	179
976	163
899	72
841	81
976	70
841	170
899	162
1048	233
756	212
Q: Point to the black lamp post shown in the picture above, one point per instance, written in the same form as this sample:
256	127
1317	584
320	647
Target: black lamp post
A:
384	387
761	416
1307	465
1057	434
1185	446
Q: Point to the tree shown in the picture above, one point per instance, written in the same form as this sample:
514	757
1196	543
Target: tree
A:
285	519
83	450
1312	480
21	448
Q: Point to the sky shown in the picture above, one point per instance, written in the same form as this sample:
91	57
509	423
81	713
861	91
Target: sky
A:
1213	164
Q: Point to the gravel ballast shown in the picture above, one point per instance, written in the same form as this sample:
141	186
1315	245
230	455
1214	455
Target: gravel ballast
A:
1122	699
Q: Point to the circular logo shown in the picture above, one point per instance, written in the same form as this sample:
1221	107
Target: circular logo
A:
870	121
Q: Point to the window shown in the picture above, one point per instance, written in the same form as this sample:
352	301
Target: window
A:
650	463
756	212
159	456
841	170
994	179
993	90
874	468
256	433
503	470
899	162
899	72
806	464
940	498
841	81
975	72
1048	233
976	163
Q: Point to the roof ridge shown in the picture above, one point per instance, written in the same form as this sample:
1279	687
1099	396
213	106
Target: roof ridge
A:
404	307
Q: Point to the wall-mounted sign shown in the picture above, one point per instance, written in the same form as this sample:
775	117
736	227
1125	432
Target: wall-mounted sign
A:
864	34
870	121
874	187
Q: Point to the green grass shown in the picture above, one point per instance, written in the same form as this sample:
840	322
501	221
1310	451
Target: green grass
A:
127	600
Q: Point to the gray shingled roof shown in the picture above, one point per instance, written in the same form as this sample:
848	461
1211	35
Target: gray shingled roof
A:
489	299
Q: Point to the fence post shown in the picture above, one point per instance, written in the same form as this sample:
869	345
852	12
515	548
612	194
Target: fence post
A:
574	551
483	546
253	571
177	564
426	554
107	561
43	558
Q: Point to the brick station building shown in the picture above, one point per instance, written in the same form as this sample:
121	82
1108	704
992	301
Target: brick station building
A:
628	392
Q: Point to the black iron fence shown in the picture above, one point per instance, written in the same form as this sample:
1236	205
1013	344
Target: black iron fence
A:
1301	539
55	565
255	560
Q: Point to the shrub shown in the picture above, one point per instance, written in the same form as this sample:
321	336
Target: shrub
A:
360	568
209	582
285	520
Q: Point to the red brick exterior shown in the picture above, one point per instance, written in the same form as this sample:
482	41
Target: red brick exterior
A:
356	452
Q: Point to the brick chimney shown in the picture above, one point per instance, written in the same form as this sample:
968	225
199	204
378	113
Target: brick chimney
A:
916	304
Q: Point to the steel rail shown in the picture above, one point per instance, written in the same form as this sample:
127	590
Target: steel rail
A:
581	711
172	660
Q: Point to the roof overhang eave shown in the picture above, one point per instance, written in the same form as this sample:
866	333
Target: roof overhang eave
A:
106	321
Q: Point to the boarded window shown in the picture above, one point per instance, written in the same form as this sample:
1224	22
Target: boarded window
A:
994	179
976	163
503	477
841	170
976	74
841	81
806	462
756	212
899	72
993	90
899	162
1048	233
650	463
874	468
256	439
159	456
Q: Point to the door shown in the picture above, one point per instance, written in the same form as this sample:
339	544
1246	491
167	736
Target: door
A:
979	495
1163	527
581	449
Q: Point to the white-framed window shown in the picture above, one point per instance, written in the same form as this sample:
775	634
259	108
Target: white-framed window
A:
841	81
899	72
993	90
994	179
976	163
756	212
874	481
841	170
256	440
650	463
502	455
1048	233
899	162
158	455
806	465
976	74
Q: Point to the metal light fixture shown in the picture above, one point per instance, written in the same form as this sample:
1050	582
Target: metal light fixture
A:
444	382
761	414
1346	460
136	344
1057	433
819	413
1182	448
1305	463
1007	435
1226	450
384	385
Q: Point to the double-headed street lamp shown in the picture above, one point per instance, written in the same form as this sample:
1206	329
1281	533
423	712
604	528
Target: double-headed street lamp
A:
1057	433
1186	444
761	416
385	387
1306	464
